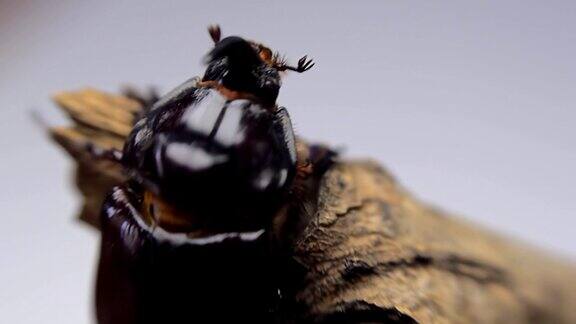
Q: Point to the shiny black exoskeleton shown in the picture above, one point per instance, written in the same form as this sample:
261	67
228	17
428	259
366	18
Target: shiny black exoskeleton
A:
227	162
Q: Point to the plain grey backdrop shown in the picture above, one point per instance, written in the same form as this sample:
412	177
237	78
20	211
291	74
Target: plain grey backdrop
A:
470	104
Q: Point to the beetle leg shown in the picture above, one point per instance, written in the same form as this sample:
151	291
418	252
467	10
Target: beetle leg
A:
304	166
313	159
322	157
305	169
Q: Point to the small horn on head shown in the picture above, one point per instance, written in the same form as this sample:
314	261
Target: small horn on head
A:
215	33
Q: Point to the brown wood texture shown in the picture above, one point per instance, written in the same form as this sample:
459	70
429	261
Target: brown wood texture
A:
100	119
371	245
370	251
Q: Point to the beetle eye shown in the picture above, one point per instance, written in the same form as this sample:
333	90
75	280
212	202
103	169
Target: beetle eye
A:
265	54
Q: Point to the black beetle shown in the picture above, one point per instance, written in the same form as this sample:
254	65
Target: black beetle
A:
219	149
211	165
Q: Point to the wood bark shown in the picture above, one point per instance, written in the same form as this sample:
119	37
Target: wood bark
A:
367	250
373	250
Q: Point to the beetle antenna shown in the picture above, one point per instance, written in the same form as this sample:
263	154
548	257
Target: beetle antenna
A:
279	59
215	33
304	64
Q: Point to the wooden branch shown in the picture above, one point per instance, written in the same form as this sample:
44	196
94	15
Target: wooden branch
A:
373	251
360	248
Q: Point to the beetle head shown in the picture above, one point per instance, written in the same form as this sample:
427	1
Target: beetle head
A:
248	67
238	66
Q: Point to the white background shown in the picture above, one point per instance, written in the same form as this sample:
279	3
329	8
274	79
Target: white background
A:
470	104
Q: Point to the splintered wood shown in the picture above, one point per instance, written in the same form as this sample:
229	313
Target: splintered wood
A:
102	120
